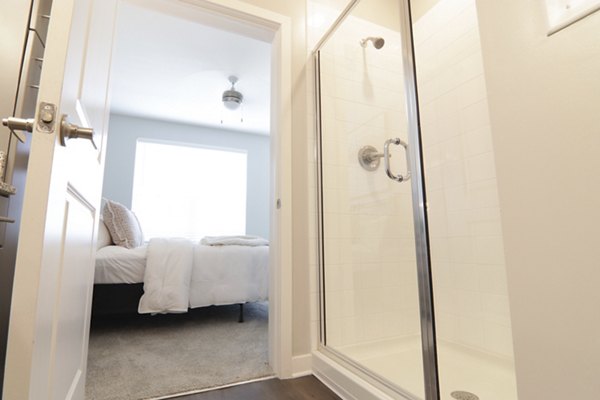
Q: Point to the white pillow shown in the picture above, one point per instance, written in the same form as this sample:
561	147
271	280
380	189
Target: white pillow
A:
123	225
103	235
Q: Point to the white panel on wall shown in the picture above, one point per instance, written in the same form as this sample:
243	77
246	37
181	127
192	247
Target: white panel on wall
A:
562	13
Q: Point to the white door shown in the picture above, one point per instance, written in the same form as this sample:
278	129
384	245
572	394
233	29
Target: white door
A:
50	314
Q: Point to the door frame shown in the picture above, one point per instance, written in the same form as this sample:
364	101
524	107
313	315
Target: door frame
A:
274	28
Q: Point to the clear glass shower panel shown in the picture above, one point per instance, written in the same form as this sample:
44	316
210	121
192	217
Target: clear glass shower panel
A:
371	304
473	327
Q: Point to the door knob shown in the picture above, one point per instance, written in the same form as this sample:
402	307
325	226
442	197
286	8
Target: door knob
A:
71	131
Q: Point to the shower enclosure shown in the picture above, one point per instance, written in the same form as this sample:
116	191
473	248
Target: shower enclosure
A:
412	284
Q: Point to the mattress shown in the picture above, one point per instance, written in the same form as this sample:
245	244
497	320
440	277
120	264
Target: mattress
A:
116	264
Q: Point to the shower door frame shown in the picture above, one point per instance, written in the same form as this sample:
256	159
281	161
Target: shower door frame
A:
415	154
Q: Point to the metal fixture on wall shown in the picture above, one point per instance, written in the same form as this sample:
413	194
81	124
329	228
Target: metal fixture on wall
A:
378	42
369	158
386	160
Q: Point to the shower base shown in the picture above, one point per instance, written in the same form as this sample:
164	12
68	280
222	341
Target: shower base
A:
460	368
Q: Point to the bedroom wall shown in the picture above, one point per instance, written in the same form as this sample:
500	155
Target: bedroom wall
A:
120	158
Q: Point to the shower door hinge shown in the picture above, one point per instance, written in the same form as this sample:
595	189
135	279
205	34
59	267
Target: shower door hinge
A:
278	204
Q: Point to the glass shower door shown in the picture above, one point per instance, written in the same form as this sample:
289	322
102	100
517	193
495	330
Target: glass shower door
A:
370	288
473	323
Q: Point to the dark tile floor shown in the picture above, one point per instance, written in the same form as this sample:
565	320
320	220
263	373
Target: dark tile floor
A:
305	388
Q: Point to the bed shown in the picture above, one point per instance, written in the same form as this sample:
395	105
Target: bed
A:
170	275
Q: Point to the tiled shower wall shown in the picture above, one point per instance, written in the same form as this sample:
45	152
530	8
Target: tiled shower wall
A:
370	274
466	237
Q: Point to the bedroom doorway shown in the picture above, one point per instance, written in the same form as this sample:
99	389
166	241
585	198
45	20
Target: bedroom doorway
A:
190	155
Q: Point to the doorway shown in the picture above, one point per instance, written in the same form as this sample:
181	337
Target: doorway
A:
25	374
168	111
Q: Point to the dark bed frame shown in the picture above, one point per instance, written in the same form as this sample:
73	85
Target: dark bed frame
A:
122	299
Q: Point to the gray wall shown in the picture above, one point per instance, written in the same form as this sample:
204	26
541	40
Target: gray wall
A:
120	159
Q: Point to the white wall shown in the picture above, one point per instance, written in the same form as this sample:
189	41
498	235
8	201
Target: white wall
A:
296	10
467	250
120	160
544	101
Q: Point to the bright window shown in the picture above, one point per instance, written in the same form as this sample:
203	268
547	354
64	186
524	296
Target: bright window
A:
183	190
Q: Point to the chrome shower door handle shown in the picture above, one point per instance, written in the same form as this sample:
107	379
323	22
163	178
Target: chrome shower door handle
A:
386	159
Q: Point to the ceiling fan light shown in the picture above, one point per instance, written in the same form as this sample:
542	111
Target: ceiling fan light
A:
232	99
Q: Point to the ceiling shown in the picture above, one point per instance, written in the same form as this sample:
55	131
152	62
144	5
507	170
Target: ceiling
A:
171	67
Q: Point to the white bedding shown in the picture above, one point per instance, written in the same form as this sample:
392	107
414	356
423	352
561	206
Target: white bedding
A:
116	264
167	277
195	276
229	275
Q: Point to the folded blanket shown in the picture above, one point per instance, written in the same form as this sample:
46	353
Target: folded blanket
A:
242	240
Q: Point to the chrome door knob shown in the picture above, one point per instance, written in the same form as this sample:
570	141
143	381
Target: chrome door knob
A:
71	131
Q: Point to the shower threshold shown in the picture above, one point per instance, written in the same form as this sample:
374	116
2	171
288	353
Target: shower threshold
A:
461	369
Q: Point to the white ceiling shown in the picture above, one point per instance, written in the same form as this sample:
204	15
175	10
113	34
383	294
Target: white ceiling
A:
170	66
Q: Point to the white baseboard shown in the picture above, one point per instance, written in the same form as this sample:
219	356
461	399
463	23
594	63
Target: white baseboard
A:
301	365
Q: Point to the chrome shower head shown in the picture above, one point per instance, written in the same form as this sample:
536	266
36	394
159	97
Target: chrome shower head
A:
378	42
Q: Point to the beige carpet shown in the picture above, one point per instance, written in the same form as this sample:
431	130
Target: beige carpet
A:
141	357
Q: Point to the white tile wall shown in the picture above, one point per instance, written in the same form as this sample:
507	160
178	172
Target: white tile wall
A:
370	278
369	297
466	237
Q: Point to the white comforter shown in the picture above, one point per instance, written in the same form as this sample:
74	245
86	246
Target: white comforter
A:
180	274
